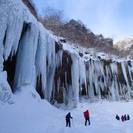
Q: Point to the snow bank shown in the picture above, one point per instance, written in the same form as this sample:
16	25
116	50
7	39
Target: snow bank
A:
5	90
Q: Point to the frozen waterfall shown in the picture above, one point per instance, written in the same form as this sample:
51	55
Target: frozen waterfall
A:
55	69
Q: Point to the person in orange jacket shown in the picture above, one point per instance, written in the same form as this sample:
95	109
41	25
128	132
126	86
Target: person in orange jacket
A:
87	117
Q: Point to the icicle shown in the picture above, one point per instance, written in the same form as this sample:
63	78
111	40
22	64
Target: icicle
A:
125	76
114	87
1	58
130	68
82	73
50	67
40	60
3	27
13	33
75	78
25	68
89	77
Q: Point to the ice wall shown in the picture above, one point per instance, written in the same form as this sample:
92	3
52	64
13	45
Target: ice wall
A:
37	51
5	90
110	79
59	71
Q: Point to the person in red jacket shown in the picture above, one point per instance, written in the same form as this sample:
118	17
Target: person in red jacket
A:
87	117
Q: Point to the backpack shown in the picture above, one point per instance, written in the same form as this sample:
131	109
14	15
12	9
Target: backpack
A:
86	114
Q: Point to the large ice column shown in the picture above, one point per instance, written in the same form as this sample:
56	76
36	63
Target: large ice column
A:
25	67
91	77
87	76
75	79
40	60
102	82
1	58
130	69
82	74
97	82
114	86
50	71
124	70
58	58
3	27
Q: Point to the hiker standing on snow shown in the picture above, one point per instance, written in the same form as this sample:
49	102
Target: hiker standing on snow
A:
87	117
128	117
68	119
122	118
117	117
125	117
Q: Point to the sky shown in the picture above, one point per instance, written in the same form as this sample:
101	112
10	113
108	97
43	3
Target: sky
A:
112	18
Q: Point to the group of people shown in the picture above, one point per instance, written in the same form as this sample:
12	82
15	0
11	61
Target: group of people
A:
86	117
123	117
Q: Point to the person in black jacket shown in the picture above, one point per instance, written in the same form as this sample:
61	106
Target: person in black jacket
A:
128	117
122	118
68	121
117	117
125	117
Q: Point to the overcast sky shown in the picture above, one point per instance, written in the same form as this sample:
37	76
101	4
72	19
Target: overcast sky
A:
112	18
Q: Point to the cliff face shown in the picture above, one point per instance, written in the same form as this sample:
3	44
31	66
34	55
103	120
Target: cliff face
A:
30	6
73	31
59	72
76	32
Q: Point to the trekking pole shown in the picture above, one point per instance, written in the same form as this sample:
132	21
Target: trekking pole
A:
72	122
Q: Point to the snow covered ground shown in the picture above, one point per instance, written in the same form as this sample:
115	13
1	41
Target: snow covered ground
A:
32	115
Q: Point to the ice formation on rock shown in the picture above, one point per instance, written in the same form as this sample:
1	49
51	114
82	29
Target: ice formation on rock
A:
5	90
58	71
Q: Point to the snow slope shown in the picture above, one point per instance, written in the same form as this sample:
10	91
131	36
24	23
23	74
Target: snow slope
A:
31	115
65	72
5	90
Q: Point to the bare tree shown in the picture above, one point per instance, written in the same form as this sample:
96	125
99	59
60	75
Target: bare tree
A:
74	31
52	19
